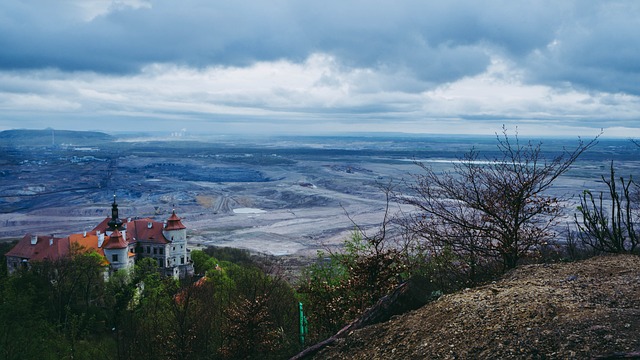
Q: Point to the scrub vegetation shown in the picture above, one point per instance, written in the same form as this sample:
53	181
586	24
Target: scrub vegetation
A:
239	309
468	227
453	229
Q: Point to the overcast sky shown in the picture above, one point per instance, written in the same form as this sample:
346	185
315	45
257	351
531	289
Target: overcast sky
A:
291	66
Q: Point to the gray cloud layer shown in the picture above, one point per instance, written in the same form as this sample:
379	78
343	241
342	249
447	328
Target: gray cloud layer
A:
593	45
311	66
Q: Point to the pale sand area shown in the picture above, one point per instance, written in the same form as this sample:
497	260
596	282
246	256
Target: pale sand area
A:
301	210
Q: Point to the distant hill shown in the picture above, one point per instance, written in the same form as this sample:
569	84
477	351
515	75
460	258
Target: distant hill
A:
49	137
581	310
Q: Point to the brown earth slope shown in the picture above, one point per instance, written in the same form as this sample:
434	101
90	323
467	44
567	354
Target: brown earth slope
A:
580	310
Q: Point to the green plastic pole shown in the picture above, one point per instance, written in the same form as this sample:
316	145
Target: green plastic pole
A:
303	324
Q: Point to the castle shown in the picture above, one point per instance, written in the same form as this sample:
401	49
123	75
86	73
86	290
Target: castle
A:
120	243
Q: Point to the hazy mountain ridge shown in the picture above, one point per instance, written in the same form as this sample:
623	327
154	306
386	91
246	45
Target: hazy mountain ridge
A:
48	137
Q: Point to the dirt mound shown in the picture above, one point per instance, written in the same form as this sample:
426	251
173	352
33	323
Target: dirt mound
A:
582	310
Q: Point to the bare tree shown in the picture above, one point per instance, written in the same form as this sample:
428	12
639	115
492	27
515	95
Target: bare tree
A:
610	229
491	208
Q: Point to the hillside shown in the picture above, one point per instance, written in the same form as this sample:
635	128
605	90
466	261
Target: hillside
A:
47	137
578	310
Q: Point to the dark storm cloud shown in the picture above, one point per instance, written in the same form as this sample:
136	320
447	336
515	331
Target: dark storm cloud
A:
599	48
596	43
435	41
344	61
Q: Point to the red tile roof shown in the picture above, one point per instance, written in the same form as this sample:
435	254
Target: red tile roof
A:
174	223
103	226
46	248
115	241
140	231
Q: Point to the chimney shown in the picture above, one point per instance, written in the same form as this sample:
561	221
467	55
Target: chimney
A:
84	234
51	242
100	239
34	239
149	225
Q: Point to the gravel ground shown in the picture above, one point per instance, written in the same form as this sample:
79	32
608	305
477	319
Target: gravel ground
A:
575	310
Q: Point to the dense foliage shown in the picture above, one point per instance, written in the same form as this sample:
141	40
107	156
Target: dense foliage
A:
65	309
339	286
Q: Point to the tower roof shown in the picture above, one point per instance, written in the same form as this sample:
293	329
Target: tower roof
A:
115	222
116	241
174	223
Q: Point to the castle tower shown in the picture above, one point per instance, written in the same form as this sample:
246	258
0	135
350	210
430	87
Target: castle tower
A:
175	230
176	233
116	250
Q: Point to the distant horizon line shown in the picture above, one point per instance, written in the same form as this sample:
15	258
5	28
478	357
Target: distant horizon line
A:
190	135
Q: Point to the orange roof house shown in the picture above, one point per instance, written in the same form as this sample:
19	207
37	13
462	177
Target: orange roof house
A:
88	241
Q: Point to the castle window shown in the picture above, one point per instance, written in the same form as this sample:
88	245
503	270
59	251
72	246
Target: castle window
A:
155	251
181	259
148	249
114	258
161	251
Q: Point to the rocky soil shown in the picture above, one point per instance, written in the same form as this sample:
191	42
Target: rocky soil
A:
581	310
